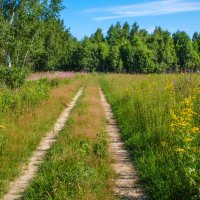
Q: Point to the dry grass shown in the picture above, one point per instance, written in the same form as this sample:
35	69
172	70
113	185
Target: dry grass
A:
24	133
73	168
91	115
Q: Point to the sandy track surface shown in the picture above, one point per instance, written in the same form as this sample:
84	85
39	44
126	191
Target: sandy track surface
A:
126	183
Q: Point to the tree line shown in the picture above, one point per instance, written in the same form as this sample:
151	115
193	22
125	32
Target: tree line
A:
33	35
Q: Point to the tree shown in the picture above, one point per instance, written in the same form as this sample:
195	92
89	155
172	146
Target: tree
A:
196	42
137	58
103	54
126	30
187	56
20	22
114	34
97	37
134	31
114	59
164	50
23	24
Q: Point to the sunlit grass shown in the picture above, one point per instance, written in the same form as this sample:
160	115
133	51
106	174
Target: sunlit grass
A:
78	165
165	151
22	133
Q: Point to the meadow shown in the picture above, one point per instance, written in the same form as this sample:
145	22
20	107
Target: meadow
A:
159	119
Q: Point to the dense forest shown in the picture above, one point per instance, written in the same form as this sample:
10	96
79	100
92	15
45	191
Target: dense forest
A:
32	35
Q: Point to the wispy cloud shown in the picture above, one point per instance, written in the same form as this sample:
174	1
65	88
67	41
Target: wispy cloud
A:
154	8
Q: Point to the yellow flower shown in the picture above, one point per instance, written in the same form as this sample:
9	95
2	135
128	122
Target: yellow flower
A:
187	111
184	124
188	101
169	87
180	150
173	115
187	140
195	129
1	126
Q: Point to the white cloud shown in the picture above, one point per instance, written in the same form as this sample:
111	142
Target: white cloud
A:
154	8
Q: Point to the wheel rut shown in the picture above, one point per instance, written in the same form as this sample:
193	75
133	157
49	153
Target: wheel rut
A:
18	186
126	184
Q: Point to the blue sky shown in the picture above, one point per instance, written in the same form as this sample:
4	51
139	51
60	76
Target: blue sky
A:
83	17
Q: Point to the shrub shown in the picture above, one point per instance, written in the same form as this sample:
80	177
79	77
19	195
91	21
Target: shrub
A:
12	77
27	97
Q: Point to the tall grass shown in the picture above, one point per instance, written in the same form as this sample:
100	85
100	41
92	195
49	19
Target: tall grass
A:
78	165
27	114
159	118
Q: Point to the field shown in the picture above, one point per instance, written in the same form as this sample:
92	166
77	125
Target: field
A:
158	117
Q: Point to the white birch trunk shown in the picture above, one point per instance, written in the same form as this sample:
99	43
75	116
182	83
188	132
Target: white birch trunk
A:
8	58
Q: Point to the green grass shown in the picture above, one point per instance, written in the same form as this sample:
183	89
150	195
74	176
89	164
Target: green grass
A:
159	119
78	165
164	148
23	126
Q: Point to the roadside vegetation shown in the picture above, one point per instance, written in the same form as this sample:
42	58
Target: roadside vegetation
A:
78	164
159	119
26	114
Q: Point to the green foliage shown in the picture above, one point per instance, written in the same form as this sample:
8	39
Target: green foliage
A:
33	35
134	50
114	59
12	77
23	99
188	58
164	50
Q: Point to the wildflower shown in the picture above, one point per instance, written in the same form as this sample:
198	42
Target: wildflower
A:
187	139
195	129
180	150
1	126
184	124
187	111
173	115
188	101
169	87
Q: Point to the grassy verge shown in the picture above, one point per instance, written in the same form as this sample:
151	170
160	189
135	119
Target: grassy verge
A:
20	134
78	165
159	118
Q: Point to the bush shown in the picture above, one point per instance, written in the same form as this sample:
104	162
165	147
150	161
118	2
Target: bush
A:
12	77
23	99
